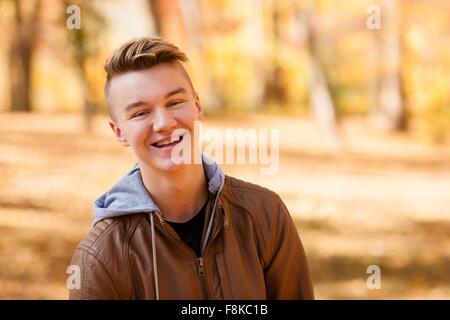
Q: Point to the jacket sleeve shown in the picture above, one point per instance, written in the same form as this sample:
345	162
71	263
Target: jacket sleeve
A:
287	273
94	283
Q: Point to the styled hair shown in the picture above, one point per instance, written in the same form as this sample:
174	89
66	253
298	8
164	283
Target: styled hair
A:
140	54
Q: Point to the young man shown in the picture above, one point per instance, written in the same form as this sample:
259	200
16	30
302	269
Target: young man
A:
170	230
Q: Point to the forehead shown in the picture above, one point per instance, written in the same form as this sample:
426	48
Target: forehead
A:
147	85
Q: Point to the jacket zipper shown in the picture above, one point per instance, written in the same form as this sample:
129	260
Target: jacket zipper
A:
202	276
200	261
201	266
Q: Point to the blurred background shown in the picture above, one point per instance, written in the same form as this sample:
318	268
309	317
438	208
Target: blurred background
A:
358	89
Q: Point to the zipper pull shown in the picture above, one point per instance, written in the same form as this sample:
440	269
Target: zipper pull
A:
227	223
201	266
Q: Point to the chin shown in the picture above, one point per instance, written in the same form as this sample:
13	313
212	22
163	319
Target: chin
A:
166	165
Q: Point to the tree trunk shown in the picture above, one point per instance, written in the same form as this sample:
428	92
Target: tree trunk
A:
193	23
166	20
319	92
21	56
275	88
155	14
390	111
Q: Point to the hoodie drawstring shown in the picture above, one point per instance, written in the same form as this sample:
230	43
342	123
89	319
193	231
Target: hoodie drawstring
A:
155	265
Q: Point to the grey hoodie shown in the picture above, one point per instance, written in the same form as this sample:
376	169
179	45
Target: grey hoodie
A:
129	196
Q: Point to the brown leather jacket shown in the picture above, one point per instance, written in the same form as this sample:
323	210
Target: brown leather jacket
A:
251	251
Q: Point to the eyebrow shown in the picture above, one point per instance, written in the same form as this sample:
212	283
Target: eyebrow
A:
136	104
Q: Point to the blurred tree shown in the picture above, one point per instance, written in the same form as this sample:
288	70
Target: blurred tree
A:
388	106
85	44
21	52
319	92
193	22
156	6
275	87
166	20
192	18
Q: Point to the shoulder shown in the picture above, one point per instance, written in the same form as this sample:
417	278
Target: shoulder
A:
264	207
102	259
111	234
249	194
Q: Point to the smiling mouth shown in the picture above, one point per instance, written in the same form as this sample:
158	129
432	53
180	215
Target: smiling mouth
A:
169	142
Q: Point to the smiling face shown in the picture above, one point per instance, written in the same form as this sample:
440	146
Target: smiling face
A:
148	106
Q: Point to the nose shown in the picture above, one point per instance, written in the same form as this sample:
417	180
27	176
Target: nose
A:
163	120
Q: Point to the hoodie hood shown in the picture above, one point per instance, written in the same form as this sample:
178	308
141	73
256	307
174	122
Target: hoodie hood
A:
129	195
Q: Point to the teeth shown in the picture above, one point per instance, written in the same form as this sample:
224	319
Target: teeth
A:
166	142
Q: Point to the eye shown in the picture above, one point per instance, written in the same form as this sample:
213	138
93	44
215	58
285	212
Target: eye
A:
140	114
173	103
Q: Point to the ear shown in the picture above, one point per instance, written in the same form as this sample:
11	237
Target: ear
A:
118	133
201	113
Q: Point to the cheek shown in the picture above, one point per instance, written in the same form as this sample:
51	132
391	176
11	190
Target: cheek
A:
138	132
188	114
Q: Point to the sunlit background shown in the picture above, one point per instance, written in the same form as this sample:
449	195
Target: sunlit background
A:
360	91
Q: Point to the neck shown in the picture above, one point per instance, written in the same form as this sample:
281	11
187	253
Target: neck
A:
179	194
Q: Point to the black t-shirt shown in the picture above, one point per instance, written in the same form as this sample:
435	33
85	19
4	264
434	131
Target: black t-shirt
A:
191	231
